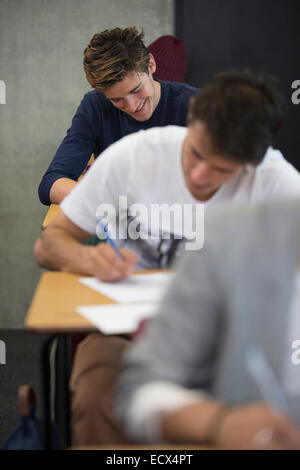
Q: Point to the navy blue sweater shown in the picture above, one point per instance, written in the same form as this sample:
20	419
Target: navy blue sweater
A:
97	124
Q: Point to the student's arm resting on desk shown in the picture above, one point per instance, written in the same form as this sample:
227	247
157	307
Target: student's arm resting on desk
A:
239	427
60	247
74	152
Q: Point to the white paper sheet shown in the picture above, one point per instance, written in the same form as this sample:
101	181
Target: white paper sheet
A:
137	288
118	318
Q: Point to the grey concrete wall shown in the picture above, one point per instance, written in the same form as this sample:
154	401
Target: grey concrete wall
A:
41	45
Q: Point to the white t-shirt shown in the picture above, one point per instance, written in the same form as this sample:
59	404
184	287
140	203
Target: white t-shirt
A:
143	171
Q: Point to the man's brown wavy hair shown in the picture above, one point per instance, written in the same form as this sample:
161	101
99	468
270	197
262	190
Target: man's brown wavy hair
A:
243	112
112	55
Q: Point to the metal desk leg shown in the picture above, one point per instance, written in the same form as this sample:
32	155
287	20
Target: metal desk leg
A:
56	369
45	368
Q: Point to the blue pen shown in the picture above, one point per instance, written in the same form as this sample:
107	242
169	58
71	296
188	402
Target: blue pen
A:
109	240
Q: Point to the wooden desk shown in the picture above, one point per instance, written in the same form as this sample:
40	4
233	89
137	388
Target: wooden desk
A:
53	311
53	210
53	307
56	298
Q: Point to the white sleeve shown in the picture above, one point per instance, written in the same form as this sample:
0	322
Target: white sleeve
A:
151	402
280	179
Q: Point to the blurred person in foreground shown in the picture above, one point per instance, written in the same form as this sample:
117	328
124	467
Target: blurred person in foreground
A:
186	380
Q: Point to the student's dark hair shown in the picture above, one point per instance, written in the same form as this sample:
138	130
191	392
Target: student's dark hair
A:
243	113
112	54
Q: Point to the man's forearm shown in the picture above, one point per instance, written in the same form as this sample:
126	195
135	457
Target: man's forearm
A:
60	189
56	249
250	426
192	424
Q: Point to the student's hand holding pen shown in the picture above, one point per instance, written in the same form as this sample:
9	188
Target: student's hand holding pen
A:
110	266
60	247
256	426
109	263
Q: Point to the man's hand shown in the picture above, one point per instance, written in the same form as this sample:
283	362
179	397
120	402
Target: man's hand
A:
108	266
60	247
255	426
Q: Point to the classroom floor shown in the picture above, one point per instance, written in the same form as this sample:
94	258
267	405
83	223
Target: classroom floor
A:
22	367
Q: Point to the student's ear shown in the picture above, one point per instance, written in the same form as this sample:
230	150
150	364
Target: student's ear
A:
191	102
152	64
190	107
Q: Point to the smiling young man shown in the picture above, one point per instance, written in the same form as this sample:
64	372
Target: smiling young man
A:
224	156
137	94
125	99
